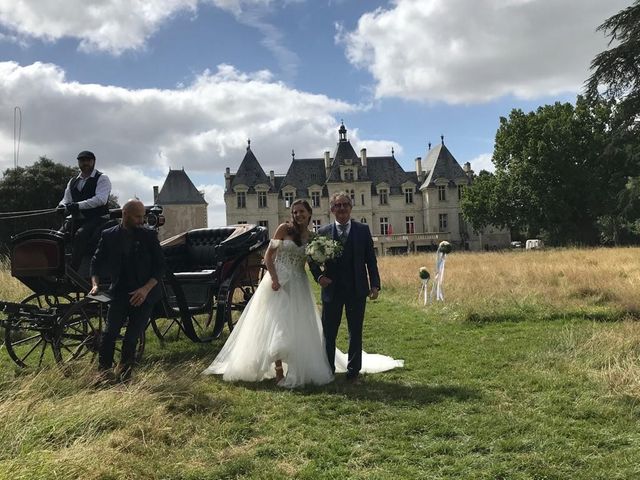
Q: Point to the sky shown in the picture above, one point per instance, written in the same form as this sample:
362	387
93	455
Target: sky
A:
153	85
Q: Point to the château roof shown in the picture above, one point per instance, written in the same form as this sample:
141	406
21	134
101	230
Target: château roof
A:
178	189
440	163
250	172
388	170
303	173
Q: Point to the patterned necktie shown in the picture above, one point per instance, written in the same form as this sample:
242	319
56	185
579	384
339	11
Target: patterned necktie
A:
342	233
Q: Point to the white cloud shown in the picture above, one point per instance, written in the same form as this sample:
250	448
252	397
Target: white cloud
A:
214	194
469	51
137	135
482	162
115	26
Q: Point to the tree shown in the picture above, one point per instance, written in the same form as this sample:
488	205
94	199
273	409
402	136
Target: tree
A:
617	70
555	173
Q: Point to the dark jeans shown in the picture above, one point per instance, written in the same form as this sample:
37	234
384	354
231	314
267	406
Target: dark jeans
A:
119	311
331	318
86	237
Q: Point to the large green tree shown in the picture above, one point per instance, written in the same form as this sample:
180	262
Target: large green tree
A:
616	71
616	77
554	173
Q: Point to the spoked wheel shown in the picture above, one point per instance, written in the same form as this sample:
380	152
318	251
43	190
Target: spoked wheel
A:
242	288
33	342
167	329
82	328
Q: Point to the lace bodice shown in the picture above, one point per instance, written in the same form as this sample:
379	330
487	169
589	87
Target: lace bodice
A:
290	256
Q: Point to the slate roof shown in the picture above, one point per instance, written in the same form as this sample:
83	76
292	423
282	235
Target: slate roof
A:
344	151
303	173
440	163
178	189
250	172
387	169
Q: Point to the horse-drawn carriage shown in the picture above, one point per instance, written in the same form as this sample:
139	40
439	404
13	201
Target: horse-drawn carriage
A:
211	274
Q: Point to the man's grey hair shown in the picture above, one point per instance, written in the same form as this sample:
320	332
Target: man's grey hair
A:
337	195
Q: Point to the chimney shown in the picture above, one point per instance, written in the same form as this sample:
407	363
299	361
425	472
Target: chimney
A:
467	169
155	194
363	156
419	167
227	180
327	162
272	178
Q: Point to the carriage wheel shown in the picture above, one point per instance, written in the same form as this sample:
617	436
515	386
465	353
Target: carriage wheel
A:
240	292
33	343
167	329
82	328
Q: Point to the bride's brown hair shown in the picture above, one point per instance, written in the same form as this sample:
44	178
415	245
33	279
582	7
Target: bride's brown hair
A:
295	229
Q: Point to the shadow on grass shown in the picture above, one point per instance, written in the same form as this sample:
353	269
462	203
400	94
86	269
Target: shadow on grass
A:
378	390
526	316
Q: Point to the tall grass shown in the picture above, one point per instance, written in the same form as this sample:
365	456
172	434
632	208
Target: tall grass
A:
586	280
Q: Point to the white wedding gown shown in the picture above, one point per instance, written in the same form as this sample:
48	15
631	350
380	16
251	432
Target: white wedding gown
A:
285	325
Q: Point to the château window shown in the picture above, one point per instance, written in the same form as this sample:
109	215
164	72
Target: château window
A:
461	189
263	223
241	222
384	226
408	195
352	194
383	194
315	199
442	192
410	224
262	199
443	222
363	220
316	225
348	175
241	198
288	199
362	199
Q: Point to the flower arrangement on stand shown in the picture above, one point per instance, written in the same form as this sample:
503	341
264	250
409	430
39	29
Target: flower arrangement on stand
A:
424	275
321	248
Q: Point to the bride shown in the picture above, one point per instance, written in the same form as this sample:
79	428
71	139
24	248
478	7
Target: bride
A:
279	334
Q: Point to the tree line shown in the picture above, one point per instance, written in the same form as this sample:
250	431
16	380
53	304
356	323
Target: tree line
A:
570	174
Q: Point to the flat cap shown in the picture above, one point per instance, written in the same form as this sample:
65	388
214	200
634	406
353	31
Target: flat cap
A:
86	154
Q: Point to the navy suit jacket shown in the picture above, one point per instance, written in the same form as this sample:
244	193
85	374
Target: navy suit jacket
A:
365	266
148	259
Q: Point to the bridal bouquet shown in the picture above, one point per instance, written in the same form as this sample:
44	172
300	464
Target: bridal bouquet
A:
321	248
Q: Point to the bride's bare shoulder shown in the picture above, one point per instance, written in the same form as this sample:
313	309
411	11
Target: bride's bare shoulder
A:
283	232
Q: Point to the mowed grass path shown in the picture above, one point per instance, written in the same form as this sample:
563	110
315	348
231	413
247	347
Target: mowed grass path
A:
504	396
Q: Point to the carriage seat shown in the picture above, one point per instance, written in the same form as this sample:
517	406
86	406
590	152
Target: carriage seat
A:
196	260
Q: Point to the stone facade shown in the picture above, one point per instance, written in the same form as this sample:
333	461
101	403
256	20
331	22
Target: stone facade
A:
406	210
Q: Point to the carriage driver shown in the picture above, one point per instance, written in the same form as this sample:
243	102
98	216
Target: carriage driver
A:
86	198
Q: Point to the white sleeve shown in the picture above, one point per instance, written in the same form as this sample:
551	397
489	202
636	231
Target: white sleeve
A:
103	189
66	198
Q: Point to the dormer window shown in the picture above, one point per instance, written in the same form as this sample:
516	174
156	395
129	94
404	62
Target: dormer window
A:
288	199
348	174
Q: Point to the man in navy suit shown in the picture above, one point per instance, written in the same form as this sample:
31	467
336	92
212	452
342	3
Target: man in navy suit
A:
346	281
130	255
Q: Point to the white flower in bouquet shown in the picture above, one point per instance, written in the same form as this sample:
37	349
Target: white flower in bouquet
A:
321	248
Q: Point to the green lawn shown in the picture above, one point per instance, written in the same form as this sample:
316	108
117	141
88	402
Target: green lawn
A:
476	399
